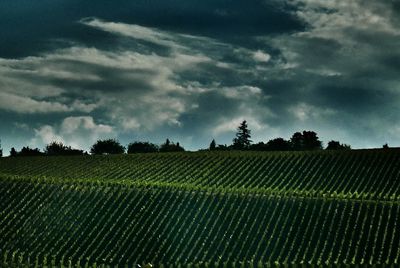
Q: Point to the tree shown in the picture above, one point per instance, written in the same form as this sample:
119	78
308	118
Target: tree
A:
58	148
142	147
1	150
13	152
213	145
26	151
169	146
335	145
242	140
311	141
297	141
278	144
385	146
109	146
308	140
261	146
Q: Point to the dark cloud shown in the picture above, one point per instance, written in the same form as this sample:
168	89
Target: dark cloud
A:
30	28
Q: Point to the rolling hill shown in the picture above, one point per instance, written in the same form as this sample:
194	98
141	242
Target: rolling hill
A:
219	209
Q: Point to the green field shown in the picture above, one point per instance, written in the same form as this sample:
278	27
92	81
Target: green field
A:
222	209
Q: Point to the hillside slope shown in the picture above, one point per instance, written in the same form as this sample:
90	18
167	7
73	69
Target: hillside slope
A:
211	209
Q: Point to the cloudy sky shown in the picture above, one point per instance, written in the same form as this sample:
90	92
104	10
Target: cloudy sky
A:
77	71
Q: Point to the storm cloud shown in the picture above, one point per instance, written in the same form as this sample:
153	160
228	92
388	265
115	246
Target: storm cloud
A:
155	69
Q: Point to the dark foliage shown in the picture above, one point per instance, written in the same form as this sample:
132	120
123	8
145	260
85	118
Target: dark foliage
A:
335	145
278	144
308	140
142	147
13	152
261	146
1	150
222	147
385	146
297	141
169	146
243	135
213	145
57	148
109	146
26	151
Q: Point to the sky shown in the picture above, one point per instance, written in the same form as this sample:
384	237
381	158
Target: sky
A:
77	71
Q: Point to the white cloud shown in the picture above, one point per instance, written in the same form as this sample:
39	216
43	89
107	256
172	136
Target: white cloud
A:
72	124
47	135
29	105
231	125
78	105
156	73
135	31
261	56
130	124
22	104
343	14
78	132
303	111
241	92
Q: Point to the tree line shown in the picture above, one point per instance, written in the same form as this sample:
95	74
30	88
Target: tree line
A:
300	141
106	146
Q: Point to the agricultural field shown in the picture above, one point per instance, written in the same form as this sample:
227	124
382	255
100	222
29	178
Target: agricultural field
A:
219	209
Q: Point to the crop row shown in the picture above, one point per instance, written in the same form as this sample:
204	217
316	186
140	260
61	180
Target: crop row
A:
44	223
369	174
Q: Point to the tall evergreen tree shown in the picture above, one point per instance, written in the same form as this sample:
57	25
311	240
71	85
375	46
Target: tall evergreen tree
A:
213	145
243	135
13	152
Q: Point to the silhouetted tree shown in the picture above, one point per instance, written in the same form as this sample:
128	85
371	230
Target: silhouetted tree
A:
142	147
55	148
242	140
58	148
26	151
308	140
297	141
278	144
109	146
261	146
335	145
385	146
169	146
213	146
222	147
1	150
311	141
13	152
